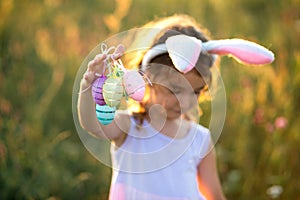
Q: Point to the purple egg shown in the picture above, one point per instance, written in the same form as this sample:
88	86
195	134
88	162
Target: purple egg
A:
97	90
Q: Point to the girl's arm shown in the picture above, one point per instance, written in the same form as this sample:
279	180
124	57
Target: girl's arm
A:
209	181
87	111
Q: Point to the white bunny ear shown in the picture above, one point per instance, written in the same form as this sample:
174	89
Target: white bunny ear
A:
184	51
244	51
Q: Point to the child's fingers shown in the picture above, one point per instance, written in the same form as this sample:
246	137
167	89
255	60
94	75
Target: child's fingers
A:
89	77
117	56
96	65
119	52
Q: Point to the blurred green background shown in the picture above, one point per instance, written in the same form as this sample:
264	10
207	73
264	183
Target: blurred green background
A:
42	44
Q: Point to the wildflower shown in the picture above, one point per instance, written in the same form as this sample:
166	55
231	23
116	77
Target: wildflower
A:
269	127
259	116
280	122
274	191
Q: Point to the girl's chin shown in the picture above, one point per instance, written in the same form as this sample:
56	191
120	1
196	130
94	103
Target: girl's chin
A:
174	115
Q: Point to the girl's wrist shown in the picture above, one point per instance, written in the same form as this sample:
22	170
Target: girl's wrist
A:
84	85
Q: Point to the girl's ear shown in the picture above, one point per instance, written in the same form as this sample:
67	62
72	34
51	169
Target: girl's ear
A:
242	50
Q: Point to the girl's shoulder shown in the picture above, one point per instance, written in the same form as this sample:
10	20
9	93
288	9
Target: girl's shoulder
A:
202	139
200	129
201	133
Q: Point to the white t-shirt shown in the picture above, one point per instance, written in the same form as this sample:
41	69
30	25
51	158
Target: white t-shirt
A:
150	165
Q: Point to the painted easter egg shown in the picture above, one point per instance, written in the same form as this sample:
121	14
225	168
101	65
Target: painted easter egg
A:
105	114
134	85
113	91
97	88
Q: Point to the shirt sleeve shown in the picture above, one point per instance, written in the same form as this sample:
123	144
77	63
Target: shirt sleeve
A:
203	140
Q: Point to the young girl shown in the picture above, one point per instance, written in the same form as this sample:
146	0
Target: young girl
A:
157	152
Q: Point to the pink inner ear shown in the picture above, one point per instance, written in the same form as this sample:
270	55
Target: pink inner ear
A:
244	55
242	50
192	62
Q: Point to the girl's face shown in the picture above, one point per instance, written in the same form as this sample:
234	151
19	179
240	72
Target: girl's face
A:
177	93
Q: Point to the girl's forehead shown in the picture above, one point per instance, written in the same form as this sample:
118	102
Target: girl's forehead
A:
164	69
168	76
191	79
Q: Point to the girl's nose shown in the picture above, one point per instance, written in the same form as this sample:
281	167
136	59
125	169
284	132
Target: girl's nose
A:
187	101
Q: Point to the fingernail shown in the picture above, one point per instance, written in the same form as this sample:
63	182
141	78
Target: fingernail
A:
117	55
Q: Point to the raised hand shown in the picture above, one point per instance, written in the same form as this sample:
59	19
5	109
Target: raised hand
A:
98	65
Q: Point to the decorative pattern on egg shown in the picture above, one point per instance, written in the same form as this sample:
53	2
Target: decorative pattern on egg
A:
97	88
113	91
105	114
134	85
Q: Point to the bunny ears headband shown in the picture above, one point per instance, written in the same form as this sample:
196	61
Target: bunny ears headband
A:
184	51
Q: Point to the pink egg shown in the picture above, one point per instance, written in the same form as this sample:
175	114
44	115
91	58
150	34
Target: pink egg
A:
97	90
134	85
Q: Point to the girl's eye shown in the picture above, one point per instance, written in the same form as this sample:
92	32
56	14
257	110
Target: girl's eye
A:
197	92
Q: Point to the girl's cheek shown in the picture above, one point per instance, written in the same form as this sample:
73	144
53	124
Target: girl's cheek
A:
188	101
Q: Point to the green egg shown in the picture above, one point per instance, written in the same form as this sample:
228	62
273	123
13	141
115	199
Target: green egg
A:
113	91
